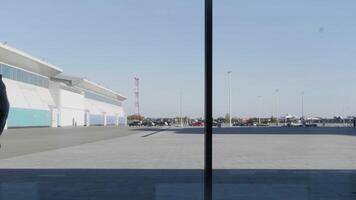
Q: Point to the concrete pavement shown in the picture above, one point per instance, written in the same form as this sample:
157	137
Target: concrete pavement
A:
250	163
175	148
17	142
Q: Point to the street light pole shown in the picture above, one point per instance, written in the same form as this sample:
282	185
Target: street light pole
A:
277	90
229	77
259	105
303	105
180	108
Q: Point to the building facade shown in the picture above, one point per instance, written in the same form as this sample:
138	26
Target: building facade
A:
81	102
40	95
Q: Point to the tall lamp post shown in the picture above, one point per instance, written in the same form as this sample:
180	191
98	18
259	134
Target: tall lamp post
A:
180	108
302	106
229	79
277	91
259	105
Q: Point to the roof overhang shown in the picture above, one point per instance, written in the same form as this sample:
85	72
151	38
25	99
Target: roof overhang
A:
27	62
90	86
69	80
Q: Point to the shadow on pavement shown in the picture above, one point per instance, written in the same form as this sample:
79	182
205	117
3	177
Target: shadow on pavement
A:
262	130
185	184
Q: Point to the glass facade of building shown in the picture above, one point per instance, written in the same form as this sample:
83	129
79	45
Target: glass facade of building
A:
24	117
111	120
23	76
122	120
94	96
96	120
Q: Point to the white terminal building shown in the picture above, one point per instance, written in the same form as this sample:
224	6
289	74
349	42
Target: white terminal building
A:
40	95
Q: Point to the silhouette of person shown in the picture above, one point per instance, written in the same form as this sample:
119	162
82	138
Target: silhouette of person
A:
4	105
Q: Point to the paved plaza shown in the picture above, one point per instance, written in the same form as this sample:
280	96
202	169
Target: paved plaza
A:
176	148
167	163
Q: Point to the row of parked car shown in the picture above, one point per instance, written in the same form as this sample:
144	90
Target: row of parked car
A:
150	123
201	123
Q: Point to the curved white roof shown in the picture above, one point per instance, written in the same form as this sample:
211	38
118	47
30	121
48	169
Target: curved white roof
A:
25	61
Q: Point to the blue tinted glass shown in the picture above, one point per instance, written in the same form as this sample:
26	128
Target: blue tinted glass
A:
47	83
23	76
30	79
36	80
39	81
6	72
13	73
19	76
97	97
42	82
10	70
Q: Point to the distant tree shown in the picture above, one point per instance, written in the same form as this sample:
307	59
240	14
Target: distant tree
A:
235	120
177	120
186	120
264	120
135	117
273	120
221	120
227	117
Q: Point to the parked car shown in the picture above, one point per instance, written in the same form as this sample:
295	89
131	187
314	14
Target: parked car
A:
311	125
262	125
197	123
239	124
148	123
216	123
160	123
135	123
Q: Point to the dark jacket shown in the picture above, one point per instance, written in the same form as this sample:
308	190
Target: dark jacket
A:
4	105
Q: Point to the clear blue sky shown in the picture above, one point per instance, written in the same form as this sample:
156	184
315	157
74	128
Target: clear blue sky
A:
294	46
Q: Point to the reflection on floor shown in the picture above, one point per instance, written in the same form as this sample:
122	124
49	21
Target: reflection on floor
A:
232	184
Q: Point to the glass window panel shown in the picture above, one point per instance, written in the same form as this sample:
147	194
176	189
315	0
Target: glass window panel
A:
160	41
13	73
19	76
23	76
6	72
284	77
